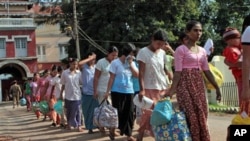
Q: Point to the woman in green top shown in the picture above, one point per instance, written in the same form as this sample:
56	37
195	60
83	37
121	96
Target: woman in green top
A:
28	93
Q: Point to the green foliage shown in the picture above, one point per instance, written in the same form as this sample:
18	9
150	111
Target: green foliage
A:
114	22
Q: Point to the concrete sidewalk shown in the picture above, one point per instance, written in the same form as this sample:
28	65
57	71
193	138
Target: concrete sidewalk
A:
23	126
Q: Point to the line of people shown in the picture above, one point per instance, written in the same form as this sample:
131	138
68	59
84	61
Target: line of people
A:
85	84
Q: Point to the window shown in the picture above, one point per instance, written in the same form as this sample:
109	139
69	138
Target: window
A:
21	43
21	46
41	52
63	51
2	47
2	43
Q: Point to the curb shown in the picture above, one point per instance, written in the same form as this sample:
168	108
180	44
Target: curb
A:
6	103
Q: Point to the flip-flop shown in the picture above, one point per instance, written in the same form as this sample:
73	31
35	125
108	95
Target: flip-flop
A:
80	129
111	136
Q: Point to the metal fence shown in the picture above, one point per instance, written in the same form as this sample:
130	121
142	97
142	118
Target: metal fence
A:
229	93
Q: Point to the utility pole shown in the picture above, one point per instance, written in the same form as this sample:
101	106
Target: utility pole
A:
76	31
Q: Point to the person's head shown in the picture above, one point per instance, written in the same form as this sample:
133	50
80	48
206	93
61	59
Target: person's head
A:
193	30
137	49
36	76
14	82
29	79
232	36
54	70
46	73
112	53
73	63
246	23
92	62
158	39
183	38
128	49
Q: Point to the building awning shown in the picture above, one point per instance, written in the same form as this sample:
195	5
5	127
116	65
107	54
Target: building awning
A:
15	3
15	13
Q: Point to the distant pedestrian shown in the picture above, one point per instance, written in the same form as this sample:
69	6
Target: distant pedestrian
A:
71	80
16	93
55	95
28	93
35	94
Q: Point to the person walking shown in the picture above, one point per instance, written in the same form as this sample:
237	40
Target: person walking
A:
71	80
35	94
28	93
102	75
152	76
16	93
89	102
120	85
54	94
188	84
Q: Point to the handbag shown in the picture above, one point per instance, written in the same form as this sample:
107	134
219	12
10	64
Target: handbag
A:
162	112
175	130
217	76
35	106
23	101
243	117
105	115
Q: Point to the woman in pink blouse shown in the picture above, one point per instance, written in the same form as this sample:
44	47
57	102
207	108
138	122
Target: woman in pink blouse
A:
43	85
190	60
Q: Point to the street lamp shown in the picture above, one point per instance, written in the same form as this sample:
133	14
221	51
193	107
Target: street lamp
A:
76	31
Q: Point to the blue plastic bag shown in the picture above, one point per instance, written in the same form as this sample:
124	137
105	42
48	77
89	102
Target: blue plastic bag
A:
162	112
58	107
35	106
23	102
175	130
44	107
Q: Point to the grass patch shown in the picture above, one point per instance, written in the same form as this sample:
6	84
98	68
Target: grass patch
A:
217	106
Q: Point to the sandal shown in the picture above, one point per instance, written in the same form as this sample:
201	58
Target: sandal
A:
53	124
69	128
80	129
111	136
138	138
102	130
131	138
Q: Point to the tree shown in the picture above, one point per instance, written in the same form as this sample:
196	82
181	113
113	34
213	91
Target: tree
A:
116	22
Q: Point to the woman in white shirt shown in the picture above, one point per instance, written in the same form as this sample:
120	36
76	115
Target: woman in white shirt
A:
55	95
102	75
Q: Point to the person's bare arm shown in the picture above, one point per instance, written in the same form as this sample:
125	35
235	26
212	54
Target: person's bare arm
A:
96	79
238	64
142	66
211	79
61	93
110	83
84	61
176	79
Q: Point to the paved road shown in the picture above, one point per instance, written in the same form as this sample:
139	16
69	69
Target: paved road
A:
23	126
